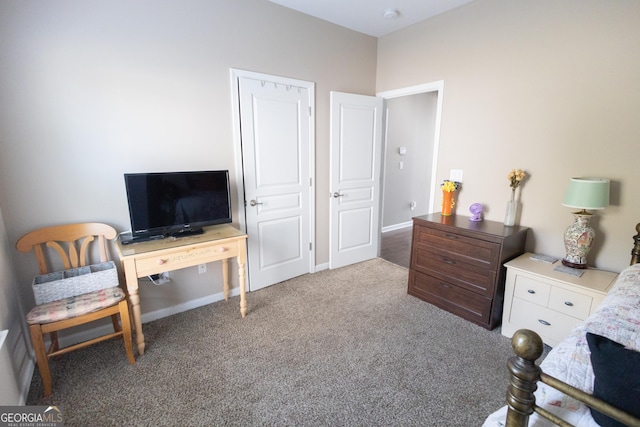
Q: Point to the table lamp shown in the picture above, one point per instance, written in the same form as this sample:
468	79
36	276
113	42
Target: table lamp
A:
583	193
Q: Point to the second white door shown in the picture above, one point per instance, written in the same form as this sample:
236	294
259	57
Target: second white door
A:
356	149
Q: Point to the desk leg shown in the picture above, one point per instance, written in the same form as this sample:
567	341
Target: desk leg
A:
242	260
131	278
225	278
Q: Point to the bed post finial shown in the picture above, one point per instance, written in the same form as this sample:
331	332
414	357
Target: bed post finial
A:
635	252
524	374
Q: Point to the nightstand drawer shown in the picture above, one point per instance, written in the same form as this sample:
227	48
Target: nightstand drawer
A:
532	291
535	291
544	321
572	303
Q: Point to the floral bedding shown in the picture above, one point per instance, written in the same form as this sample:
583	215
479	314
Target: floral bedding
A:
617	318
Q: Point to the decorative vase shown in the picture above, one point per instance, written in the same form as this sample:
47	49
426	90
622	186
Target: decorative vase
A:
512	211
447	203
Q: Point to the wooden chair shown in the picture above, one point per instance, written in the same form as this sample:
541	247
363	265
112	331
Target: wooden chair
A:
72	243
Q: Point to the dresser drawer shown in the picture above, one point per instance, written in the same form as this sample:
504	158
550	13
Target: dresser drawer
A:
544	321
186	258
450	297
574	304
459	248
531	290
465	275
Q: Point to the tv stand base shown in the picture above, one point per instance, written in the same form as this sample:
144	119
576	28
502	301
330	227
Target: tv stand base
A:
186	232
127	238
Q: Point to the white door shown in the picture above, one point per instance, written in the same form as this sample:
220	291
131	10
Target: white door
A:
275	128
356	149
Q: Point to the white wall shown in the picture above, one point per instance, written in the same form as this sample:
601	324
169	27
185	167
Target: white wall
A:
549	87
91	90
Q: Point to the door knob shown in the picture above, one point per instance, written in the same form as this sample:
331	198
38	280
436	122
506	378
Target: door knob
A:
253	203
336	195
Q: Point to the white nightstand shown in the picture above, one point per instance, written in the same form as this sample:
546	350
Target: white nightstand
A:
550	302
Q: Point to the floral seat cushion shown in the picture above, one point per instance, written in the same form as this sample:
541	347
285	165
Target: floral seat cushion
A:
68	308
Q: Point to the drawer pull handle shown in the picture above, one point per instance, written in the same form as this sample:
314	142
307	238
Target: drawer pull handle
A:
531	291
161	261
448	261
569	303
451	236
223	249
544	322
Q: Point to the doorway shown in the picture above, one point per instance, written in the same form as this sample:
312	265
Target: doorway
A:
412	139
412	133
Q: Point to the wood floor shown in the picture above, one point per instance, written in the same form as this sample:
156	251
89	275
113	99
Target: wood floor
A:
396	246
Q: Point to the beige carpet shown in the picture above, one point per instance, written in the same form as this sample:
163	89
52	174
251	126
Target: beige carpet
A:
345	347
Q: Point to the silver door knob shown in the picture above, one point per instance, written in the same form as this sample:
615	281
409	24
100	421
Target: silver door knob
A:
253	203
336	195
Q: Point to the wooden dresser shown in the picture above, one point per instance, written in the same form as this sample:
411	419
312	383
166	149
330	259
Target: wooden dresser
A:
458	265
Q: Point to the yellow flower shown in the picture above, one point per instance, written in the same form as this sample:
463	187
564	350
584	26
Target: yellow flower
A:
449	186
515	177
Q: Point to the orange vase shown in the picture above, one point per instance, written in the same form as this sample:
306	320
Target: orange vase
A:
447	203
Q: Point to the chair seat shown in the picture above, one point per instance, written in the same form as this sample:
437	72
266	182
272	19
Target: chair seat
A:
68	308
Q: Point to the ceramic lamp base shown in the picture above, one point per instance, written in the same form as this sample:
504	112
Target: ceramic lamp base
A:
578	240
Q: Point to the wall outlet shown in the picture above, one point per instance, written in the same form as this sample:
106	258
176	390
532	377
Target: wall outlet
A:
202	268
456	175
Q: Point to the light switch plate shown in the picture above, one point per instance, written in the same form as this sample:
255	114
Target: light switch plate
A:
456	175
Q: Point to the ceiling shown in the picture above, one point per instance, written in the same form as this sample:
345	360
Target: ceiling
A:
367	16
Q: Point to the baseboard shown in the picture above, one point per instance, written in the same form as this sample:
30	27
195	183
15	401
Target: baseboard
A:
17	364
25	381
320	267
188	305
397	226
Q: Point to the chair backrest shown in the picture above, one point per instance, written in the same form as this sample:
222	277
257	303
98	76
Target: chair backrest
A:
70	241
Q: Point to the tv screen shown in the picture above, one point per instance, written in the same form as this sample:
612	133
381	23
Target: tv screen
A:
176	203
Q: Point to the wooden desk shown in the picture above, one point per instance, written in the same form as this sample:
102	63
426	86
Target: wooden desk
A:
218	243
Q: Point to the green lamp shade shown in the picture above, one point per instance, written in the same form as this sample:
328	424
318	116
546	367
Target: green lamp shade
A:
587	193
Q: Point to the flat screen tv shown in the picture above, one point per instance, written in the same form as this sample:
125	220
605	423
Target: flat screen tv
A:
175	204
